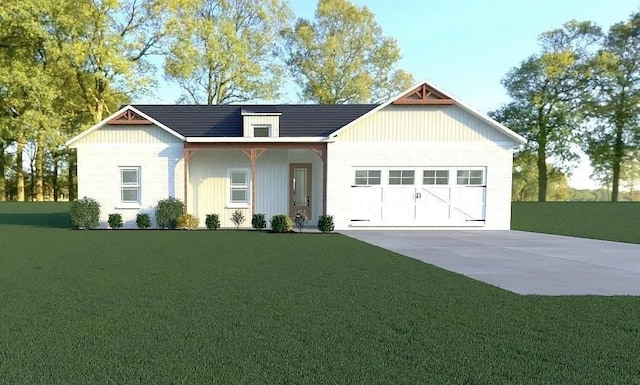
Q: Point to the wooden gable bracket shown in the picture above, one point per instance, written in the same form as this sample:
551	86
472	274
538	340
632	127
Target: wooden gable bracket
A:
129	117
424	95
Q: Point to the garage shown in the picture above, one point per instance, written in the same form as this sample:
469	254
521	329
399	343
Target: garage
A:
418	196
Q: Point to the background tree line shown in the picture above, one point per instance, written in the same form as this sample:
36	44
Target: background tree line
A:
581	91
66	65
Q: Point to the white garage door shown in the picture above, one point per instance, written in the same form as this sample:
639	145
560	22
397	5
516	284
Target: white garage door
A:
425	196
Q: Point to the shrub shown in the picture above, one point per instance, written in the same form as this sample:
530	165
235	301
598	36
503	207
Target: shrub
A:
187	221
237	218
281	223
143	221
325	223
212	221
300	219
85	213
167	213
115	221
258	222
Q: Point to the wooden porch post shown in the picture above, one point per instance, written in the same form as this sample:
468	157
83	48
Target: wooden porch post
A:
253	154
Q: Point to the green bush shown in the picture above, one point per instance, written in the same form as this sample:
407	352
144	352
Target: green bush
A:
258	222
212	221
167	213
237	218
115	221
325	223
85	213
143	221
281	223
187	221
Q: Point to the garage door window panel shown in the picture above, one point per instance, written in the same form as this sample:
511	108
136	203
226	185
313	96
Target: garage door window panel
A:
470	177
435	177
367	177
401	177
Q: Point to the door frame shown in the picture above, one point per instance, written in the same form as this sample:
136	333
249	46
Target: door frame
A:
292	209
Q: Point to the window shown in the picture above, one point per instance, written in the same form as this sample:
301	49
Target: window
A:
367	177
238	187
437	177
471	177
401	177
261	131
130	185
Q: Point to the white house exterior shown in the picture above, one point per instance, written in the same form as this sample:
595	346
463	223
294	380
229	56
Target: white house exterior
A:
420	160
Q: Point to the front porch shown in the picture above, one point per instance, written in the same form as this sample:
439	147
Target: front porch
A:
270	178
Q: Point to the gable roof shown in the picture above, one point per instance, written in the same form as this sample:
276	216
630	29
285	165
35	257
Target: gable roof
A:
298	120
442	95
116	115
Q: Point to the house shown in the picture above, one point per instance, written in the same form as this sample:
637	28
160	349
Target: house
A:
420	160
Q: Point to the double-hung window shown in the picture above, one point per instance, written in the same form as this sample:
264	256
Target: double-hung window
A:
238	188
130	185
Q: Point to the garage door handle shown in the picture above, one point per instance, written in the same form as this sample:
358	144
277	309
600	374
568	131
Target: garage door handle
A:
418	195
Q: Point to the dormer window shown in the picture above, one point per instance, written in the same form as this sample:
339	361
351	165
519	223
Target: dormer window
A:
262	122
261	131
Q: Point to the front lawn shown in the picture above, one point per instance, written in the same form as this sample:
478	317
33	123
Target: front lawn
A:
239	307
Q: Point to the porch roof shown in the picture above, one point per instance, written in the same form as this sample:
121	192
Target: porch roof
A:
296	120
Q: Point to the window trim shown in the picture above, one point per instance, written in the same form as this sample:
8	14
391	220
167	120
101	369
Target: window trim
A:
246	186
121	186
267	126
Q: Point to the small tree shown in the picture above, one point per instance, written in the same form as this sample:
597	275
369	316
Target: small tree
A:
238	218
300	219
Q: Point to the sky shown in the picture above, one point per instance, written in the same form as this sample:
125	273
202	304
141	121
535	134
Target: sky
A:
467	46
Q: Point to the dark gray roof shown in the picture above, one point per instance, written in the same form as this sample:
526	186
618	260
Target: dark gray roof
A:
226	120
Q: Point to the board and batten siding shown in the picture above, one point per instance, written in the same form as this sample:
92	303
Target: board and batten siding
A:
103	152
124	134
421	124
421	137
208	191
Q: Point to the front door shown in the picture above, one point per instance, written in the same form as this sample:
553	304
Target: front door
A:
300	189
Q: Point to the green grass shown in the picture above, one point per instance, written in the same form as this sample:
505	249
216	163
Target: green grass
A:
619	221
184	307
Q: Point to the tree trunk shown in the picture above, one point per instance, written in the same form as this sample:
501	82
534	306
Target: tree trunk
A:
3	182
542	173
39	174
19	170
618	153
54	177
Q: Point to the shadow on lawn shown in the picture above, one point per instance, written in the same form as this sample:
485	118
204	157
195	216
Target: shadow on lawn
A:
51	215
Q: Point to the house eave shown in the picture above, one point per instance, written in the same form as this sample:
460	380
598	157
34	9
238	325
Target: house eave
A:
227	139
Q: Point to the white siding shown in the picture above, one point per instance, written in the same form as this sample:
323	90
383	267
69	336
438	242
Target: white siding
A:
161	176
208	183
422	124
497	158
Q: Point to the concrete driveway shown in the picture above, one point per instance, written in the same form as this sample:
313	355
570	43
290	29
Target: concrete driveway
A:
521	262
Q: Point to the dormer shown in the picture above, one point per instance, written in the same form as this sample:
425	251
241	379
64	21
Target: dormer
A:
260	124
